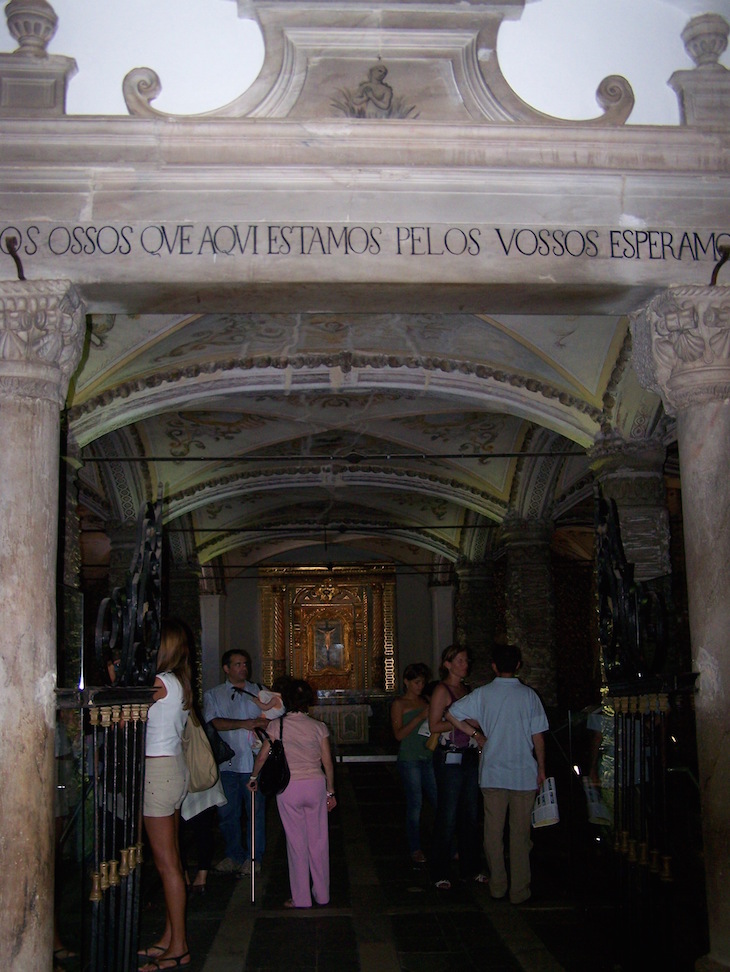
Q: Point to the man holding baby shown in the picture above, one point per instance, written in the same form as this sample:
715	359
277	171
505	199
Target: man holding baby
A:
233	708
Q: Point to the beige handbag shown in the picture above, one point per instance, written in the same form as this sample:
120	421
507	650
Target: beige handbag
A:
202	767
433	741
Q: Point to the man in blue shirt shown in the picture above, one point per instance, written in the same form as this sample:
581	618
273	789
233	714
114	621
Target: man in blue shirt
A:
510	721
232	709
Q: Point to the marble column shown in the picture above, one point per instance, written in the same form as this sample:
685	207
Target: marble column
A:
530	601
473	617
682	351
41	339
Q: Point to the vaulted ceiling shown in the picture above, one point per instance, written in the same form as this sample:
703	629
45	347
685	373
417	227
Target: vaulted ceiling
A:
406	437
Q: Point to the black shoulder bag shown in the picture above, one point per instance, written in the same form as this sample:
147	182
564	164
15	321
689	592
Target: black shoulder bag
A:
221	750
274	775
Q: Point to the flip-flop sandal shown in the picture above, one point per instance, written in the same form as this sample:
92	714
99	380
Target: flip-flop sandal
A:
152	951
177	962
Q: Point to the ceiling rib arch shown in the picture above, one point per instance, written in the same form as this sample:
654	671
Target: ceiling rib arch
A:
576	419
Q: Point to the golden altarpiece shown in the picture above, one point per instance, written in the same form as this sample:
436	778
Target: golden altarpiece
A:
334	627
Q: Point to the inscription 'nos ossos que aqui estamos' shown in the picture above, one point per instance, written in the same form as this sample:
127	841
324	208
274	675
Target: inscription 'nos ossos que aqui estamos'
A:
364	241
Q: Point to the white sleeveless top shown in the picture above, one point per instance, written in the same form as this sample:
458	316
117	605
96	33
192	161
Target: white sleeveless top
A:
166	720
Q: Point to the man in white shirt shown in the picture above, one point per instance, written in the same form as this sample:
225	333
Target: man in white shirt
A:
232	709
510	722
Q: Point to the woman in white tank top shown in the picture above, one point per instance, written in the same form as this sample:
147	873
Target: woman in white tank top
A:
165	788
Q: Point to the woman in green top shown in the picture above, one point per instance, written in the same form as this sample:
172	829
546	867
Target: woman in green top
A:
415	761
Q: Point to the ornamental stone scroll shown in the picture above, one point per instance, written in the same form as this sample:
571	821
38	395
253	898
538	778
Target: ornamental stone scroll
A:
41	338
682	345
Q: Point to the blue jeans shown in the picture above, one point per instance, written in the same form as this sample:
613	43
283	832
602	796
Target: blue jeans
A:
457	816
417	778
229	818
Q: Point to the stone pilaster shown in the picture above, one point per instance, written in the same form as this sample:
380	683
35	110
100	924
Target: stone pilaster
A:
41	339
473	616
682	351
530	602
632	474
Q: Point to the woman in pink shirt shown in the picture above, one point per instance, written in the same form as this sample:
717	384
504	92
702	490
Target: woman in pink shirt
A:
309	797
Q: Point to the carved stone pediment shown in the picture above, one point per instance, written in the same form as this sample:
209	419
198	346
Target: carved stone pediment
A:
432	62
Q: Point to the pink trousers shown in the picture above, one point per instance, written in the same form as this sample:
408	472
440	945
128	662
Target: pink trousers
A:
303	812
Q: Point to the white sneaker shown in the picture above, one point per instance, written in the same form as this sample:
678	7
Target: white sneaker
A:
229	866
245	868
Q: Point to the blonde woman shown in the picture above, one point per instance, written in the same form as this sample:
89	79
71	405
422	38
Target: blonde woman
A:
165	786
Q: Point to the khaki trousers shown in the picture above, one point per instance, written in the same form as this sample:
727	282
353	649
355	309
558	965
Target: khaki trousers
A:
519	803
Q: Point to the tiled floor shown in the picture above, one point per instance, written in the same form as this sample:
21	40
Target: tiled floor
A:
384	916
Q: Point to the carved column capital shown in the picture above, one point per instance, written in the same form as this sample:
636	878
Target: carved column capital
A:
634	469
682	345
41	338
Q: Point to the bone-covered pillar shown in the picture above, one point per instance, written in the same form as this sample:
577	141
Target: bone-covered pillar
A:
530	601
41	338
682	351
473	609
632	474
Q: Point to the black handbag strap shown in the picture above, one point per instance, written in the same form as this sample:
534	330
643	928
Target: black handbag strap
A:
254	695
263	734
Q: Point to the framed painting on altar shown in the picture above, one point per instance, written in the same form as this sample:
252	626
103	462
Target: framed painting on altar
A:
329	640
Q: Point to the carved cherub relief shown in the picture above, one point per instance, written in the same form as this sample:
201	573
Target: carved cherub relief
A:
373	98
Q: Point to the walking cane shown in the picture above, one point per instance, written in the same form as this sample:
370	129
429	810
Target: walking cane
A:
253	847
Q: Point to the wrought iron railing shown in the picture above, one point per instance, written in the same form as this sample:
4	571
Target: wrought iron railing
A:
101	835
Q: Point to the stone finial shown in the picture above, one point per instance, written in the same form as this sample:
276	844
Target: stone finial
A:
705	38
681	342
32	23
704	93
33	82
